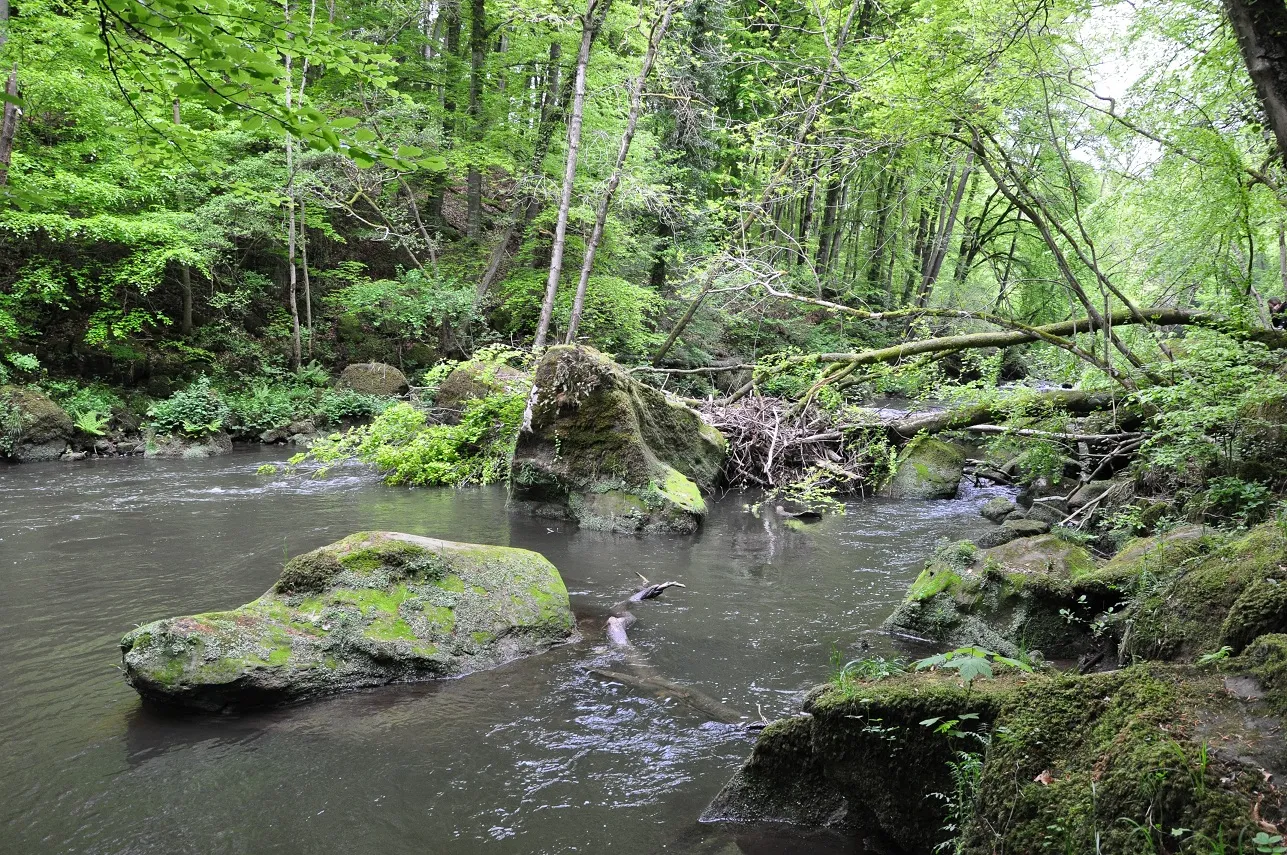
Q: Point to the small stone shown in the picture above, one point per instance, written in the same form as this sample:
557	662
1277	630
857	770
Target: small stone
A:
1027	527
997	509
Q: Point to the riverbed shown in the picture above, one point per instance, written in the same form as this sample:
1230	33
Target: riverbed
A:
539	756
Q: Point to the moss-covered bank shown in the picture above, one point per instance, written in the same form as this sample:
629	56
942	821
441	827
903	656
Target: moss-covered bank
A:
610	452
1058	763
374	608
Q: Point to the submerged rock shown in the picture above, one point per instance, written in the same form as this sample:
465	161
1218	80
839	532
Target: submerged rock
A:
162	446
33	429
610	452
1028	593
1059	762
374	608
928	468
373	378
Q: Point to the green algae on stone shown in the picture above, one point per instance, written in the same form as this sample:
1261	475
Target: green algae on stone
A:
374	608
609	452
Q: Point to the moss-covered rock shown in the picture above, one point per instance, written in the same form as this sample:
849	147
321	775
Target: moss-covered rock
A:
610	452
161	446
479	378
867	757
1065	763
928	468
374	608
373	378
998	509
1107	762
1211	594
1032	593
33	429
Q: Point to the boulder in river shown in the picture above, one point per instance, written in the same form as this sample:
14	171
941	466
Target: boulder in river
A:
610	452
477	378
373	378
162	446
33	429
371	609
928	468
1027	593
998	509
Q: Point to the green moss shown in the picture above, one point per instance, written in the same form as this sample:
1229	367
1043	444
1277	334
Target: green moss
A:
280	655
1266	659
455	584
389	629
933	580
371	600
309	573
1227	596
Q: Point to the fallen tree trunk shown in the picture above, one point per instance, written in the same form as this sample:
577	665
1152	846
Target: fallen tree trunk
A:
1069	400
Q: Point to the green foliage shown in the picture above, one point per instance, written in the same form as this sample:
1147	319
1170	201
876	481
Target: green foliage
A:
92	422
406	449
970	663
1231	499
195	411
263	406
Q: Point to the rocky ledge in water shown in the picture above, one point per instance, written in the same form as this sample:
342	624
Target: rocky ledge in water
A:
1026	762
374	608
610	452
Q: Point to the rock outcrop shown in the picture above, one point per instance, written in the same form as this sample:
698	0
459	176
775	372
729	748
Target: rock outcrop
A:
372	609
163	446
33	429
928	468
373	378
476	379
609	452
1031	593
1058	760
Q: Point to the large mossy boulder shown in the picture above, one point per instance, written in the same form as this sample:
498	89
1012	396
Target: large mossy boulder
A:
1064	763
373	378
1209	595
374	608
475	379
1032	593
33	429
927	468
609	452
168	446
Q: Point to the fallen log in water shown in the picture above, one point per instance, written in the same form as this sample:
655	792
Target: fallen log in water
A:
641	675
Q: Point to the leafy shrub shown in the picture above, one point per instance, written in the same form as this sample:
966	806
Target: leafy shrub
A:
1235	500
195	411
77	399
92	422
262	407
336	406
406	449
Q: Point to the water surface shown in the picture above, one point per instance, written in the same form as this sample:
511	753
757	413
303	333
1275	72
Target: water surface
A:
537	757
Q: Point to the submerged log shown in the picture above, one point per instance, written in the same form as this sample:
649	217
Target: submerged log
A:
643	676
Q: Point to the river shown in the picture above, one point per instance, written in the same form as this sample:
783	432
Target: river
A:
536	757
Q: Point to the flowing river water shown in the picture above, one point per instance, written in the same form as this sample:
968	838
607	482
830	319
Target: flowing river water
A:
540	756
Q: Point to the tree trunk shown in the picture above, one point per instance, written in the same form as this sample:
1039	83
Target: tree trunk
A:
1261	28
8	124
569	176
477	57
944	238
290	220
303	256
623	151
829	206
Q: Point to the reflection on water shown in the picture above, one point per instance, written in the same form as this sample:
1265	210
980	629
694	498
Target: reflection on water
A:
537	757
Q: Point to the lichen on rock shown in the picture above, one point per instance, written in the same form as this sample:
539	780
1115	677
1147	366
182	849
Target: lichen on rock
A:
374	608
609	452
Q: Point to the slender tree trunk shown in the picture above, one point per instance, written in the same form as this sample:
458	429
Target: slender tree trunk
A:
569	176
806	218
303	255
185	273
290	220
829	209
8	123
944	237
477	57
1261	28
623	151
